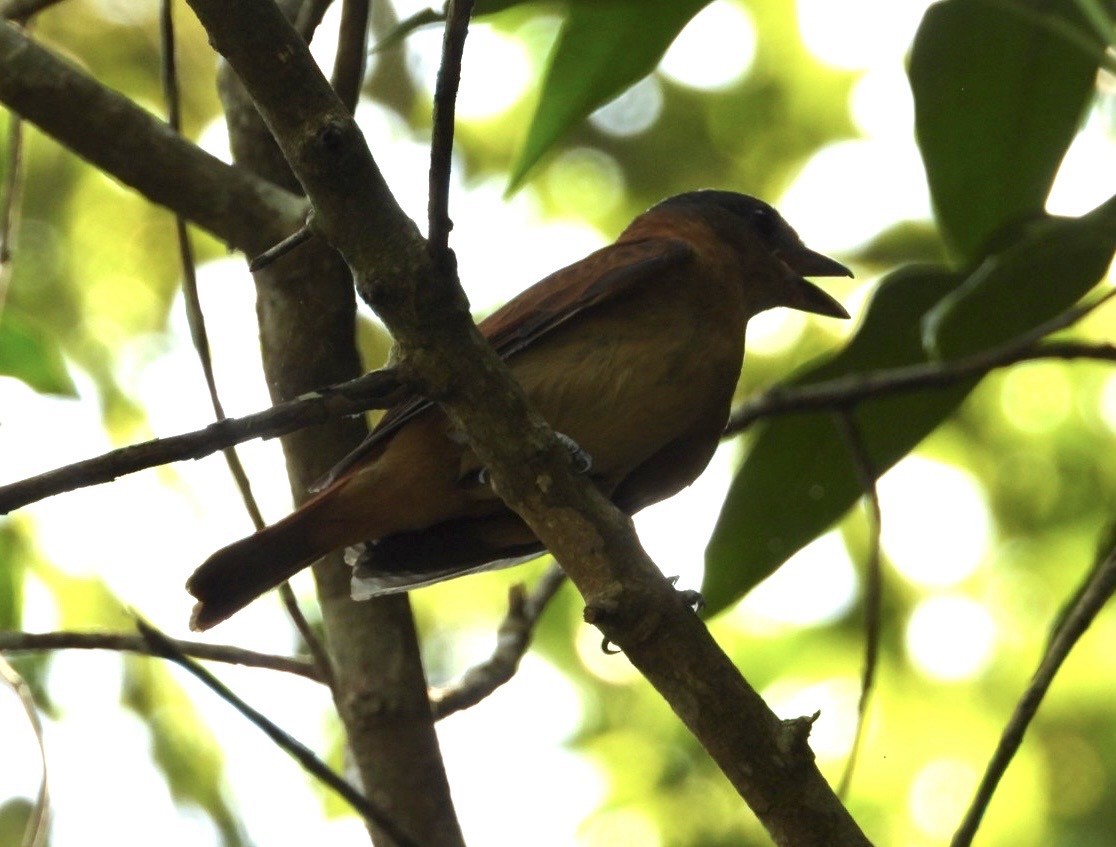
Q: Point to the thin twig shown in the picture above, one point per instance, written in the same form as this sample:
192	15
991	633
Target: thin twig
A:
441	142
1087	602
398	34
375	390
195	317
35	834
27	642
845	392
318	653
512	640
166	648
352	52
873	587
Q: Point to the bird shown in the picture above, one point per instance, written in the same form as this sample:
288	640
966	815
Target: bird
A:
632	355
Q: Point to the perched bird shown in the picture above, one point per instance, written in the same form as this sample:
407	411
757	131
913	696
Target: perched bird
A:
632	353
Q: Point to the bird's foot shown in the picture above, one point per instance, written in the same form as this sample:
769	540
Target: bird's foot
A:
691	598
581	460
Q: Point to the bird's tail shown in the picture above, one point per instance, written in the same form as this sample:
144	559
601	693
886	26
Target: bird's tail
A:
236	575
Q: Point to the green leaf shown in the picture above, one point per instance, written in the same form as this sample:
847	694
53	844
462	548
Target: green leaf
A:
604	46
1043	274
798	477
28	353
1000	87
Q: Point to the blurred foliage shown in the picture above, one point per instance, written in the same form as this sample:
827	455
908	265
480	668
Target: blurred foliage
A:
182	747
999	93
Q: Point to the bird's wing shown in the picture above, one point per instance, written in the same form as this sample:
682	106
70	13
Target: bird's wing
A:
600	276
603	275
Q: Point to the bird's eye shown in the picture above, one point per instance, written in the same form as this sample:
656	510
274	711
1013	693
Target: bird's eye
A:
765	223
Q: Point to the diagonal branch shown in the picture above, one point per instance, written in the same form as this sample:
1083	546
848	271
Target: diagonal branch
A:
162	646
1095	591
426	312
381	389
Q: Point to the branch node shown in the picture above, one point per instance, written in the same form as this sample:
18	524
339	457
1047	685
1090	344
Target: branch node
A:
603	608
794	736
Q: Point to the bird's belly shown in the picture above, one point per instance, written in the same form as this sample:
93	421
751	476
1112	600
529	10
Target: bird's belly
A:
623	397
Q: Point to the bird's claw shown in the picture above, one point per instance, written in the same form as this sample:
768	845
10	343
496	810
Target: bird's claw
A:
582	461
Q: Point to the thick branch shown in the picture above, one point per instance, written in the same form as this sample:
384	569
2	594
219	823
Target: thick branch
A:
627	597
130	144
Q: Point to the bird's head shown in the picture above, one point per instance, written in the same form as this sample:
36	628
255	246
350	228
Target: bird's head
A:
769	248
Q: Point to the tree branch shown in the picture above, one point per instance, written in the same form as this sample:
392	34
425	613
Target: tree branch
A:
873	586
18	10
132	145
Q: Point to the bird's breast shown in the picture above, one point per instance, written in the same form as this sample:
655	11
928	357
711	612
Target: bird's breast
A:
623	381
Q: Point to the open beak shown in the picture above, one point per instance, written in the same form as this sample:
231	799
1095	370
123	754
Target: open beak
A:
805	296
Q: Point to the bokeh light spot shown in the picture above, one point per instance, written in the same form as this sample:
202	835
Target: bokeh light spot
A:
585	178
939	794
633	112
1037	398
495	70
619	826
816	585
936	528
714	50
950	638
860	33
